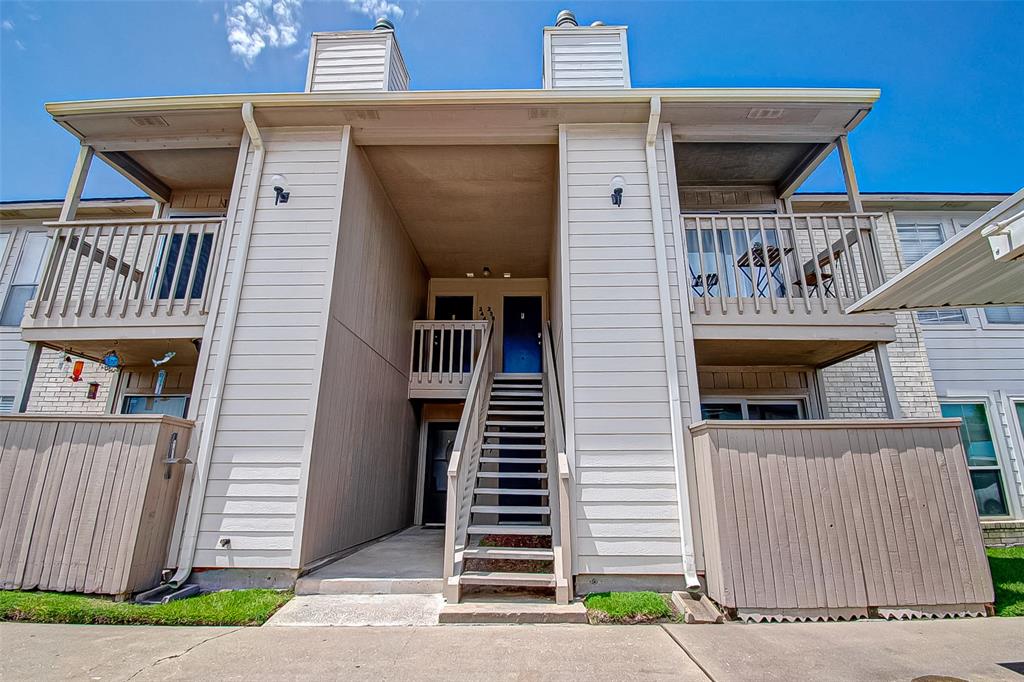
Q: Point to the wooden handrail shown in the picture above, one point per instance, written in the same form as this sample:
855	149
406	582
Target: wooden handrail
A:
559	474
465	459
134	221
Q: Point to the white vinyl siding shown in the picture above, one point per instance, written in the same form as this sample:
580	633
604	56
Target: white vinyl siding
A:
625	479
368	61
266	415
586	57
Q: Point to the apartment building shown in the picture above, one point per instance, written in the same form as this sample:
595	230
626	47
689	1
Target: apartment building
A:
587	331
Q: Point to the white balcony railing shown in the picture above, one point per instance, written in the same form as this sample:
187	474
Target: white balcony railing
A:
124	272
781	261
444	354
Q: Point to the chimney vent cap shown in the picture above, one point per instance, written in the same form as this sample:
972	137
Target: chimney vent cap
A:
383	24
565	18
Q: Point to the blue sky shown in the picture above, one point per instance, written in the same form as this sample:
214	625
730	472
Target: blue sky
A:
951	74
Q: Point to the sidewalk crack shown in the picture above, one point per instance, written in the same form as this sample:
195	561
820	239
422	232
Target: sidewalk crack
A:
688	654
182	653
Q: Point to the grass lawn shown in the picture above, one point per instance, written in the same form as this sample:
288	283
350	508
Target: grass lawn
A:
238	607
627	607
1007	565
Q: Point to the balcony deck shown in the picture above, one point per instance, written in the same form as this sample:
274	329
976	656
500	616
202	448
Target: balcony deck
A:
444	354
126	279
760	279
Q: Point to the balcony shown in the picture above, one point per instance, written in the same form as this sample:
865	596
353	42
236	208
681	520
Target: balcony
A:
765	278
837	519
444	354
125	279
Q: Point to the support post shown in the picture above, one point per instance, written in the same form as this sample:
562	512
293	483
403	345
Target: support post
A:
849	176
35	349
892	403
77	183
819	388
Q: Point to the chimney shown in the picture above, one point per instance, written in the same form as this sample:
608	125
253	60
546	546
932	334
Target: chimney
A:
575	56
357	61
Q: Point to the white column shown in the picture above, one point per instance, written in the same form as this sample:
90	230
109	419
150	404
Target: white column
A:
846	161
77	183
892	403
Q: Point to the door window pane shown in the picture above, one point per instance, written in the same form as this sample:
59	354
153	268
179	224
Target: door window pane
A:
171	405
26	276
728	411
14	307
773	411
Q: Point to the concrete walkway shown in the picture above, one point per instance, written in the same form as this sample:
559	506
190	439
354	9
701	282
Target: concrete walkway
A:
980	649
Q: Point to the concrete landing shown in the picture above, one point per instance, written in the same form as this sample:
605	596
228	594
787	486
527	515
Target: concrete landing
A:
409	562
512	612
348	610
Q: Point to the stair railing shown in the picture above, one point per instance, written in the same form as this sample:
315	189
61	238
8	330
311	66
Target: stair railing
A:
464	466
559	474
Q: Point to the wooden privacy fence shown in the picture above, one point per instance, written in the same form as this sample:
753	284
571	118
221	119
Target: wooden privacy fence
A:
831	519
88	501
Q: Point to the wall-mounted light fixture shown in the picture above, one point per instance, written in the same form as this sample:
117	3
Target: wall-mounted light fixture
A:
487	271
617	185
281	189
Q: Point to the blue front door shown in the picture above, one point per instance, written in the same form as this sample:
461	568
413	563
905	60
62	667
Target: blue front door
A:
520	347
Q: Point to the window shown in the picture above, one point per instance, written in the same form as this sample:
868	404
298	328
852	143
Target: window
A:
917	240
26	277
758	410
171	405
982	461
1011	314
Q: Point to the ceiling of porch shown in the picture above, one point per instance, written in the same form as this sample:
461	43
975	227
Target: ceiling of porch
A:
470	206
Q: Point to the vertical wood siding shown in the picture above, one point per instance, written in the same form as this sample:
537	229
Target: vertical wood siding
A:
827	519
357	63
214	200
362	467
625	480
268	398
85	505
732	198
586	58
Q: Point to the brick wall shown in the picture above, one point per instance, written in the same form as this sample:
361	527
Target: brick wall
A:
53	391
1003	533
853	387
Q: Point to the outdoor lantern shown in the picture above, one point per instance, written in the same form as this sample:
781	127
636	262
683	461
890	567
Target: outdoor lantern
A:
281	190
617	185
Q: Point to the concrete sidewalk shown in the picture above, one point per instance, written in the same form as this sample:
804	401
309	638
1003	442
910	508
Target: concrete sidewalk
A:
981	649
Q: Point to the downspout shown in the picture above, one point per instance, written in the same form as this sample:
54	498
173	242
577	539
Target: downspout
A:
669	339
204	455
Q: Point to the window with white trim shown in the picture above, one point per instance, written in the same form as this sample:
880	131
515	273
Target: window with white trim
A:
982	460
1010	314
25	279
760	410
917	240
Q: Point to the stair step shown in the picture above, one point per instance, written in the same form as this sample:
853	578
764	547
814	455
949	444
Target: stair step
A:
519	579
529	387
509	529
517	446
508	509
520	403
511	491
512	375
533	423
519	413
517	394
513	434
515	460
510	474
525	553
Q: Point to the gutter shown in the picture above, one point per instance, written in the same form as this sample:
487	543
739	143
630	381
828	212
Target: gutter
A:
204	454
865	96
668	337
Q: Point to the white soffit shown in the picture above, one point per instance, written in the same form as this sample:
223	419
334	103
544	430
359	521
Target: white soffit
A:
963	272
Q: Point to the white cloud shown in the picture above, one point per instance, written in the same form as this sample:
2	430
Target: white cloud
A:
377	8
20	45
216	17
8	25
253	25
